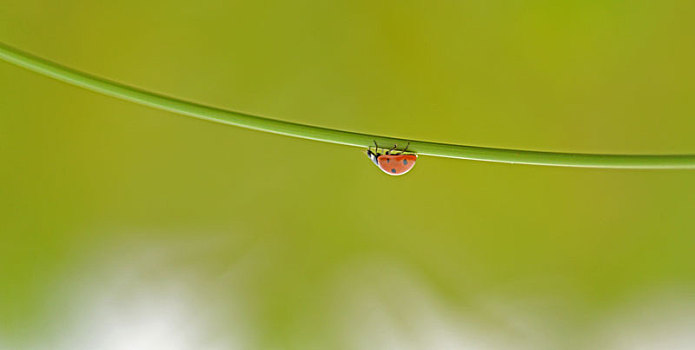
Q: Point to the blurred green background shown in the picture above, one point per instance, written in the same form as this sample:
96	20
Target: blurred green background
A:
124	227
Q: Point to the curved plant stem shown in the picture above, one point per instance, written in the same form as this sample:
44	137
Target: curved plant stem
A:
191	109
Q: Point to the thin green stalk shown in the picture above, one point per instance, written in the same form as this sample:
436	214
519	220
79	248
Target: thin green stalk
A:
191	109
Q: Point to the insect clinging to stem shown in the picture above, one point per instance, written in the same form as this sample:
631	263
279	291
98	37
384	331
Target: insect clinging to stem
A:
392	161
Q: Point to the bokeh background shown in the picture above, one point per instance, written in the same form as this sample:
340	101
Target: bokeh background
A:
124	227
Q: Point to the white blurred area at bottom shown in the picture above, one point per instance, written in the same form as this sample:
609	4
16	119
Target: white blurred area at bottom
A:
382	305
148	319
148	296
654	321
375	303
385	306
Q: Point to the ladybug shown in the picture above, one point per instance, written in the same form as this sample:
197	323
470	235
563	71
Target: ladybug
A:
392	163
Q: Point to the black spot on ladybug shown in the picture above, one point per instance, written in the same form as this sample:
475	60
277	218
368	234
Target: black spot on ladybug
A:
393	170
405	162
388	160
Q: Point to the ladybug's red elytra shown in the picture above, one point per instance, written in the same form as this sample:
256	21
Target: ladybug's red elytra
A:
393	162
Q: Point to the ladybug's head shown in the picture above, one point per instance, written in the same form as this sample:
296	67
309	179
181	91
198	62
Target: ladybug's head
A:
373	156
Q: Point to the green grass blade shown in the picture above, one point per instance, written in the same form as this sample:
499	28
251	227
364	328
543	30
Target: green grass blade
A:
191	109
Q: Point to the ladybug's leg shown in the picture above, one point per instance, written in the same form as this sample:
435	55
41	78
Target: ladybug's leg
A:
406	147
392	149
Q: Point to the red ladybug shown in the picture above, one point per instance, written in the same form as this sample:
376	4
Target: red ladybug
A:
390	163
